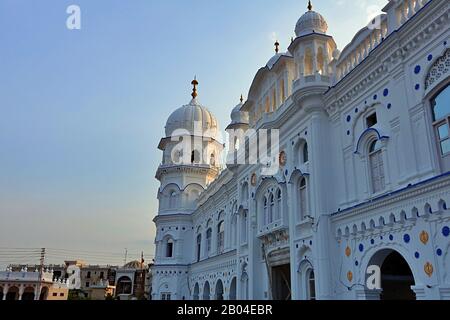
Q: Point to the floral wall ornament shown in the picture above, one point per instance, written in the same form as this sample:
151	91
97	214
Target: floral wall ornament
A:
348	251
350	276
282	158
253	179
424	237
429	269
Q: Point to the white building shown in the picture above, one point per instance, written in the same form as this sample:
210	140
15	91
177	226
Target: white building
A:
363	178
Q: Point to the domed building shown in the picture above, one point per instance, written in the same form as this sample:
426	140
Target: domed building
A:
349	200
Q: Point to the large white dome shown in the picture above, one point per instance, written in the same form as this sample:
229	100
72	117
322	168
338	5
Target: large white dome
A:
311	22
195	119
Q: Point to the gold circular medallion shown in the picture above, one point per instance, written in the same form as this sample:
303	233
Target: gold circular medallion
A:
428	268
348	251
350	276
424	237
282	158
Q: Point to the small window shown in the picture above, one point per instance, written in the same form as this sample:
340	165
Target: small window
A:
311	285
61	294
371	120
55	294
88	275
169	248
305	153
87	284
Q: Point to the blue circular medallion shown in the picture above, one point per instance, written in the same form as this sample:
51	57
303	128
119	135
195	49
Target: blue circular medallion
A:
446	231
417	87
391	237
439	252
417	255
356	110
348	132
310	242
430	57
389	106
375	97
372	241
386	92
406	238
361	247
417	69
349	118
356	263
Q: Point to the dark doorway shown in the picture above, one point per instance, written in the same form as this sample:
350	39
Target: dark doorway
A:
281	282
396	278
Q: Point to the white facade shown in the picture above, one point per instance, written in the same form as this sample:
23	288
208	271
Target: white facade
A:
364	177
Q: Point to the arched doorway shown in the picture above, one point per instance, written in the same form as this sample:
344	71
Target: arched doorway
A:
196	292
1	293
44	293
13	294
28	294
124	286
219	290
206	291
396	275
233	289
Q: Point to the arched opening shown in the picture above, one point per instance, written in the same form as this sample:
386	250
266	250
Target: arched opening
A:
233	289
376	166
196	292
220	237
303	199
13	294
305	152
1	293
219	290
124	286
440	105
44	294
28	294
244	286
308	62
199	247
311	284
206	291
208	241
396	275
320	61
169	248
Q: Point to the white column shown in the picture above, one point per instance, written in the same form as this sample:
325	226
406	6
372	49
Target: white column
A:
5	291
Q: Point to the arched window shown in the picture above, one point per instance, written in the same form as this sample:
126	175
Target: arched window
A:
244	227
169	248
311	286
308	69
279	206
271	208
195	157
172	199
266	212
282	91
212	160
376	167
320	61
220	237
440	105
208	240
305	153
303	198
199	247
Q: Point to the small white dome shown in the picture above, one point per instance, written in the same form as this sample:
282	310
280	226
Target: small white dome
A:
275	58
311	22
238	116
195	119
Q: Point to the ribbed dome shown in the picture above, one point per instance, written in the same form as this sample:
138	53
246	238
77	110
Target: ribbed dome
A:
134	265
311	22
195	119
275	58
238	116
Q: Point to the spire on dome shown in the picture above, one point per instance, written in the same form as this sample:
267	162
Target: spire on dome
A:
241	99
194	89
277	45
310	7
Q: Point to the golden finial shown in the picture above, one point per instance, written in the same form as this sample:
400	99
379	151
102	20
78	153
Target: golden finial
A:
309	5
277	44
194	90
242	98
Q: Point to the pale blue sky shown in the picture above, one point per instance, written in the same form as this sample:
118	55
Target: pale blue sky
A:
82	112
